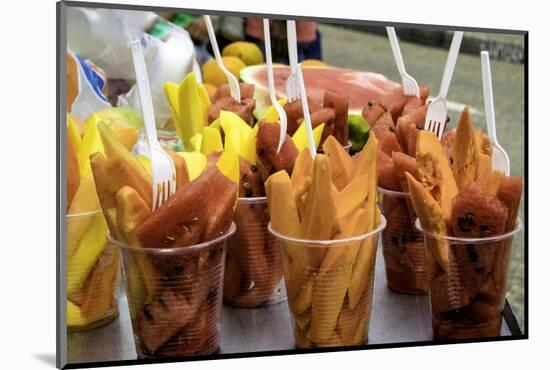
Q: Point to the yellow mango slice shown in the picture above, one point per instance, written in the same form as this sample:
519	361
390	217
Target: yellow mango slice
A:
196	141
232	140
351	198
248	152
211	141
205	101
91	143
435	172
270	114
366	254
465	153
132	211
73	173
228	164
84	201
431	217
229	121
195	161
74	316
329	292
340	162
284	214
127	134
171	90
83	259
303	168
191	115
113	146
73	134
300	136
366	158
216	124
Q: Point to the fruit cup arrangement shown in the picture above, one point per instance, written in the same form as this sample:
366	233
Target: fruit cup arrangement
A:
327	221
253	266
93	267
173	257
395	120
467	213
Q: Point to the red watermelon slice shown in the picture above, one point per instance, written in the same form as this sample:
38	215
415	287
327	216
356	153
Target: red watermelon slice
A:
358	86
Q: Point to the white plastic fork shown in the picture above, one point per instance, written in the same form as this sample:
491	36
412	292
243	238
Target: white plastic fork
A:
231	80
291	83
436	117
500	159
271	83
305	110
163	171
410	86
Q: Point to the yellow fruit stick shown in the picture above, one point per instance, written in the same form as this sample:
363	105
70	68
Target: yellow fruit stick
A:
366	253
340	162
195	161
434	170
91	143
196	141
465	151
270	114
205	102
431	218
228	164
90	247
300	136
211	141
191	116
249	150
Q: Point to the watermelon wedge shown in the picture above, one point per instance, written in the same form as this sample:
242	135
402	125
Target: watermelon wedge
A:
358	86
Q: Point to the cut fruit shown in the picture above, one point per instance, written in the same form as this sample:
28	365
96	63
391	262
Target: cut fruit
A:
358	86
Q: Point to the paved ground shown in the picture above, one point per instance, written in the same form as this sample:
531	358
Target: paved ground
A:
363	51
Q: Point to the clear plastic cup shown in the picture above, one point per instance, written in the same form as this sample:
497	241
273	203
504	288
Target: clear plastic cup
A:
93	272
467	295
329	286
402	245
175	296
253	267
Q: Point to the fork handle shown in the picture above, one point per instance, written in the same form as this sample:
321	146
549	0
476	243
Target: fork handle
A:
292	45
450	65
144	90
488	96
396	51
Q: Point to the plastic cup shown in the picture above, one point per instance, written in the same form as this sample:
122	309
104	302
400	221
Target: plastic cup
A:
402	245
329	286
93	272
175	297
253	267
467	295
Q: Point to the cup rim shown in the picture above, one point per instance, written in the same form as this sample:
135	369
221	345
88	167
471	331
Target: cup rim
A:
400	194
495	238
331	242
132	248
251	200
82	214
